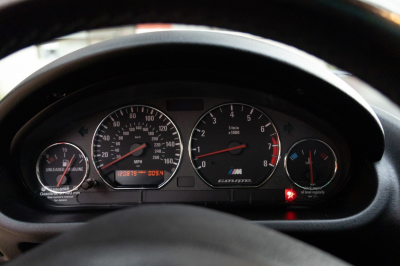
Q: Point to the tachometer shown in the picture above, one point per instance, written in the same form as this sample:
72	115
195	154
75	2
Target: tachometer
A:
234	145
136	147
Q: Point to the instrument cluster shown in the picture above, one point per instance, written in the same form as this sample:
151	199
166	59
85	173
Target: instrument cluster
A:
188	150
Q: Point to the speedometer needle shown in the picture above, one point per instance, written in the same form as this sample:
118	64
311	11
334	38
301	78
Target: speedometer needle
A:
312	175
221	151
126	155
65	171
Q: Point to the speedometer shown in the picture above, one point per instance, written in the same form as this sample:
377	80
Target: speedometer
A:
234	145
136	147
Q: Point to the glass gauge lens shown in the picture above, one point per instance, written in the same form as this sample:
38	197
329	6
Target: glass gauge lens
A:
311	164
234	145
136	147
62	168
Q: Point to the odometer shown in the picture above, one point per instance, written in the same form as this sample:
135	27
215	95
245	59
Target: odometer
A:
234	145
136	147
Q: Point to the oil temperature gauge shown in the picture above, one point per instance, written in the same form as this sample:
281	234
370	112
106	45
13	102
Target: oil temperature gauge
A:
311	164
62	168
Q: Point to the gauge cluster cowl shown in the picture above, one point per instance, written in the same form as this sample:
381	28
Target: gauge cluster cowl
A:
232	70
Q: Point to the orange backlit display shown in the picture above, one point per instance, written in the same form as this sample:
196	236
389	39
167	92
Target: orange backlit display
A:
141	173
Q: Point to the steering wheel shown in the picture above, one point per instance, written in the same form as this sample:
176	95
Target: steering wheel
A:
346	33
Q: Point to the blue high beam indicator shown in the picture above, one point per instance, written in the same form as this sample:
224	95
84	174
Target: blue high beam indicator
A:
294	156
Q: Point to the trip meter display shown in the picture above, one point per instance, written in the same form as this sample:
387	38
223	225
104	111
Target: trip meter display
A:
136	147
142	176
234	145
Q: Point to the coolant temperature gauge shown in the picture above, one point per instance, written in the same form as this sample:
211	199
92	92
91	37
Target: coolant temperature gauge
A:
311	164
62	168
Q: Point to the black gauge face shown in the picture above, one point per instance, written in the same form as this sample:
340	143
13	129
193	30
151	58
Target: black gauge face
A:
136	147
62	167
234	145
311	164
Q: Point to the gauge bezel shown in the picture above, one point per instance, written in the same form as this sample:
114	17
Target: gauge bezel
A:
138	188
235	187
38	167
334	156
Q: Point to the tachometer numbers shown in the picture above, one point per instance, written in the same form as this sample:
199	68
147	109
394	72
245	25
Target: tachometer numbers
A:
234	145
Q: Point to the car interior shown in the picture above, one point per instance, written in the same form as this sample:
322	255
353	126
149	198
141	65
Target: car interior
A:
232	146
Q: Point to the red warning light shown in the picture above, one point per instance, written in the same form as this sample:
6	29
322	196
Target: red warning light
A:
290	215
290	195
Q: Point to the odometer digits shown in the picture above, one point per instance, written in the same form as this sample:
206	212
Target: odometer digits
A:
136	147
234	145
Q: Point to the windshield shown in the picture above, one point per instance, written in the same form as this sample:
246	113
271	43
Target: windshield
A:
18	66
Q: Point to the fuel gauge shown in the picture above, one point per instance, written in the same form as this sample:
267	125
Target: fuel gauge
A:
62	168
311	164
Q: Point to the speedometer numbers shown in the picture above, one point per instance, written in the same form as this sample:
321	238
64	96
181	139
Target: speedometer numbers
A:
136	147
234	145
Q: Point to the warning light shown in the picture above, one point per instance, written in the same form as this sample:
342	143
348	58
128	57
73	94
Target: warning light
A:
290	215
290	195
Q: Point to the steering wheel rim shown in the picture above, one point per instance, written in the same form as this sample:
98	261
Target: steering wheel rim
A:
173	235
346	33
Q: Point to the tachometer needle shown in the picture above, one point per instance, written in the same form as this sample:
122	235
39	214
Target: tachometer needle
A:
312	175
65	171
126	155
221	151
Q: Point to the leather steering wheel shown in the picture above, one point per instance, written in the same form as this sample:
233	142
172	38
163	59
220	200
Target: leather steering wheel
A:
173	235
350	34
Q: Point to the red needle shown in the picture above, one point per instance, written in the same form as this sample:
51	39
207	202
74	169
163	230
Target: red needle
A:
126	155
65	171
221	151
312	176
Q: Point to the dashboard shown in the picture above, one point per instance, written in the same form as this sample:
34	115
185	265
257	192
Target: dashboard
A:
228	138
188	150
278	116
251	128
